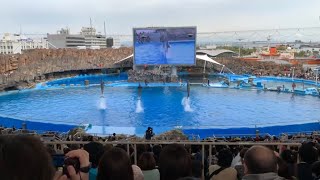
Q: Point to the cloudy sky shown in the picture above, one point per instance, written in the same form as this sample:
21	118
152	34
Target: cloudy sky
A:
47	16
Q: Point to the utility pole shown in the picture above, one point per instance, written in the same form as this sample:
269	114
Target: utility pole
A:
105	32
104	26
317	71
269	38
20	38
20	31
240	46
90	26
91	32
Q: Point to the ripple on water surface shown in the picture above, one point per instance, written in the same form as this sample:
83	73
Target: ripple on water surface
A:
161	107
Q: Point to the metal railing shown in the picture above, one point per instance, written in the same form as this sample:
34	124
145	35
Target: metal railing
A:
200	143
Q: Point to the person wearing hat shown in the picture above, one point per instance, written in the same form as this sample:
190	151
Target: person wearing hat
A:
149	133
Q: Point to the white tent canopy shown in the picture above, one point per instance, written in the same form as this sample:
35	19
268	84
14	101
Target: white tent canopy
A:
202	57
208	59
124	59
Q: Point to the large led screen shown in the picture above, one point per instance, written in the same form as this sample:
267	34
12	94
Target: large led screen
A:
165	46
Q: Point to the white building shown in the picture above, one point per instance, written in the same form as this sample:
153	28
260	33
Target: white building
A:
116	43
16	44
92	38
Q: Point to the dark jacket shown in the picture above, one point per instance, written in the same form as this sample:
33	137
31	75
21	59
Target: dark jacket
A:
304	171
264	176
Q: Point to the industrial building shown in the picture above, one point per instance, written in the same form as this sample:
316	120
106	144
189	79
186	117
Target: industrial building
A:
63	39
87	38
92	38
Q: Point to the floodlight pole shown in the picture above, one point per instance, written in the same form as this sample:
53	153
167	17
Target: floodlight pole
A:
317	70
269	38
240	46
204	71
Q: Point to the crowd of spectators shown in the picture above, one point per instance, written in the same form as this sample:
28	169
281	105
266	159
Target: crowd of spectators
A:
236	66
269	69
146	75
25	157
225	162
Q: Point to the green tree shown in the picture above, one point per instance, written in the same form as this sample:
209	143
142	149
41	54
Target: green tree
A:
281	48
315	53
300	54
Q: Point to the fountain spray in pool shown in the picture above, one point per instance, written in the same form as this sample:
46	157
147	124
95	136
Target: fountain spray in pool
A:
186	100
139	107
186	104
102	101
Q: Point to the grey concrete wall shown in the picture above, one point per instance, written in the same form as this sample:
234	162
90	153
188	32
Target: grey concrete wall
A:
57	41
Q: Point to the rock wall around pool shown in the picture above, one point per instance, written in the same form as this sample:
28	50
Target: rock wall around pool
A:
23	68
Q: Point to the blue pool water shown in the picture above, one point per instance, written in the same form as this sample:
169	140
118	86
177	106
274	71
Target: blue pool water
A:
179	52
162	107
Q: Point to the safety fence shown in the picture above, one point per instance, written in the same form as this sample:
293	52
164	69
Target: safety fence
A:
203	145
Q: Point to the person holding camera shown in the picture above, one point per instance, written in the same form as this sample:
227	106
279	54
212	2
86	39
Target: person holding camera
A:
149	133
26	158
76	167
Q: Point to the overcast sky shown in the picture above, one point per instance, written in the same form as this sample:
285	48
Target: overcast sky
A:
47	16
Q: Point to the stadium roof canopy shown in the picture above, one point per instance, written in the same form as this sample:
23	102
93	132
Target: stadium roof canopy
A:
124	59
203	57
215	52
202	54
208	59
